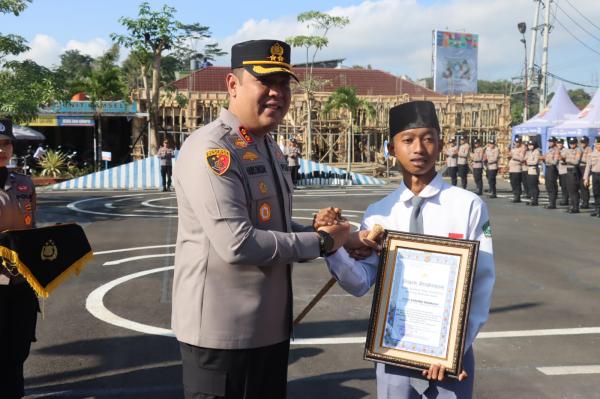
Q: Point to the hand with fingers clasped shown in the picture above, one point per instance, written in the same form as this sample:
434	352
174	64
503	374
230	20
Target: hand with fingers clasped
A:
327	217
438	372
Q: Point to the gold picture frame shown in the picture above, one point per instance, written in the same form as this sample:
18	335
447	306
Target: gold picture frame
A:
421	301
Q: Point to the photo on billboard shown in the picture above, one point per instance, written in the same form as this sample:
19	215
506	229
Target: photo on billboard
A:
455	62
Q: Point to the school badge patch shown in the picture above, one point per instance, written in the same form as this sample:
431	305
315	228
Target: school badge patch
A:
487	229
219	160
245	135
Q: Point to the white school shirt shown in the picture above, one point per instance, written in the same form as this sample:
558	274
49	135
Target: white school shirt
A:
448	211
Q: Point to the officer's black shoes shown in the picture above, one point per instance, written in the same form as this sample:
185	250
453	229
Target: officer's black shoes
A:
515	201
572	210
585	206
550	207
596	212
493	196
533	203
563	203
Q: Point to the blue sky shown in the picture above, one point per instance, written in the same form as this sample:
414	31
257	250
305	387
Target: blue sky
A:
392	35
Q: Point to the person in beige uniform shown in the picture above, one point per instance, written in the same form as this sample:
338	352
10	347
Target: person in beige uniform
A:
463	161
592	170
477	165
551	159
562	172
584	191
516	157
236	241
18	302
490	159
532	160
573	158
451	152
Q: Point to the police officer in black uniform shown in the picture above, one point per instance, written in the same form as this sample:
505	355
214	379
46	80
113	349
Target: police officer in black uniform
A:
18	302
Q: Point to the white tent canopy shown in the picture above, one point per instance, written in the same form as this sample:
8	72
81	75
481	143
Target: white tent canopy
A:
27	133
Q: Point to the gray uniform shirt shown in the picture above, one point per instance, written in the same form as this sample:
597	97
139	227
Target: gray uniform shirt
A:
517	156
573	157
17	211
562	165
552	157
491	155
477	158
593	164
236	240
532	160
463	154
451	156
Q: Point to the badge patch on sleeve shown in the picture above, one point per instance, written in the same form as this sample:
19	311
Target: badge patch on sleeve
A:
264	212
487	229
219	160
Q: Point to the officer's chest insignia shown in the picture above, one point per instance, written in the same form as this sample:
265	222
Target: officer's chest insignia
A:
262	187
256	170
28	220
240	143
49	251
22	188
250	156
27	206
264	212
219	160
245	135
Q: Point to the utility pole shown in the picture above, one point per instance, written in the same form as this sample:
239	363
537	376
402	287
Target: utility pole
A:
534	33
544	83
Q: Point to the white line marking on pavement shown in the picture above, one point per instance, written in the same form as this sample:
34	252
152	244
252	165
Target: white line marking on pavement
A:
570	370
75	207
150	203
317	210
110	205
134	258
539	333
112	251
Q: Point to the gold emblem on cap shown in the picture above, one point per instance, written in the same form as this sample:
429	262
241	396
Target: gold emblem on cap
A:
49	251
276	53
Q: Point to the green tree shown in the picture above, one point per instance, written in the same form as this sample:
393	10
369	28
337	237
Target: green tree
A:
151	36
75	70
345	98
12	44
318	24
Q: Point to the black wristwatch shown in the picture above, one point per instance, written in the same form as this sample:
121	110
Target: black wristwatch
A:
325	243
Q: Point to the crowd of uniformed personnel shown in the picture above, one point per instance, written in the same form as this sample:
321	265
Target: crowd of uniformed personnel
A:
572	169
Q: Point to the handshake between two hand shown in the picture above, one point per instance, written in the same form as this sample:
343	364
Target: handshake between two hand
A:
359	244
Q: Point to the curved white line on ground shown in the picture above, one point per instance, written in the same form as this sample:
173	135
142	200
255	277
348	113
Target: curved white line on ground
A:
112	251
149	203
75	207
317	210
95	305
134	258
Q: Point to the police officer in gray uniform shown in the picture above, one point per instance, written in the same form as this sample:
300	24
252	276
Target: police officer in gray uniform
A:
516	157
18	302
490	159
477	165
232	292
532	160
463	160
562	172
551	159
586	150
592	169
573	158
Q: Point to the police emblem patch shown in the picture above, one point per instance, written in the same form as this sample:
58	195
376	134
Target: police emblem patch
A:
49	251
262	187
487	229
264	212
250	156
219	160
245	135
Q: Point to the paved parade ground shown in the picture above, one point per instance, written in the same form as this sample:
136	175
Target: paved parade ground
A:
106	333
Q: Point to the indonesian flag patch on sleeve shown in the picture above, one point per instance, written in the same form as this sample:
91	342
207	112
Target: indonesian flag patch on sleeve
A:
219	160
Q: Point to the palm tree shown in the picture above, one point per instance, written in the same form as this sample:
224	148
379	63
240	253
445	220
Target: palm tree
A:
345	98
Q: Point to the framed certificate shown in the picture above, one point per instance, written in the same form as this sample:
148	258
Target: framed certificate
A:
421	301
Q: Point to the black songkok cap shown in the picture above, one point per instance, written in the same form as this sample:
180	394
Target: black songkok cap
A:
6	129
572	140
552	139
584	139
262	57
413	115
561	141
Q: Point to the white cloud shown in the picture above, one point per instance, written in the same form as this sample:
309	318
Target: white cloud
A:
395	35
94	47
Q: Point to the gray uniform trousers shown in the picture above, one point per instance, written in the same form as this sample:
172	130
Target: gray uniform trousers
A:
394	383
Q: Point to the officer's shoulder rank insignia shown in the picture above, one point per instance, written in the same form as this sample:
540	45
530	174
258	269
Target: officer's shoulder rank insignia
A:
487	229
219	160
240	143
246	136
250	156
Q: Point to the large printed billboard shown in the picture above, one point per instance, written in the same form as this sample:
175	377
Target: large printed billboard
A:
455	62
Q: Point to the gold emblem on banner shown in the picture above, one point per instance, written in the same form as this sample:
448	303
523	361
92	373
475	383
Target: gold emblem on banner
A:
49	251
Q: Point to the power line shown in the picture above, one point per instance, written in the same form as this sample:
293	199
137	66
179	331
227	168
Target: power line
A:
570	81
576	23
583	15
575	37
